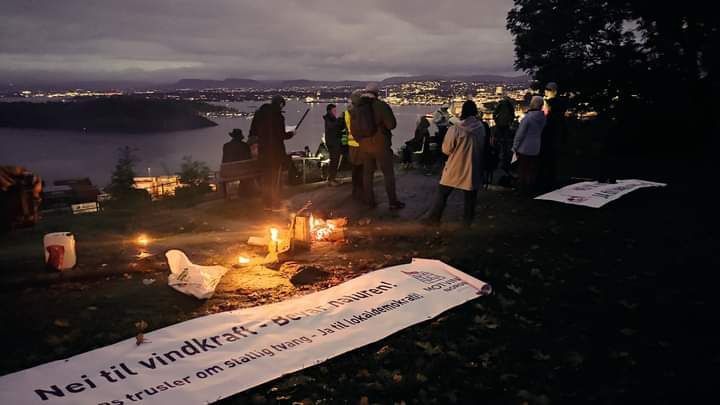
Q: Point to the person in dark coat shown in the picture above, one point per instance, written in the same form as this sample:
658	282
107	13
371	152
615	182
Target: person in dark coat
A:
504	117
268	125
419	143
333	141
554	133
236	149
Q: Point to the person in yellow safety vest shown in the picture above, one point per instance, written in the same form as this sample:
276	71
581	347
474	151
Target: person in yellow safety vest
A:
354	151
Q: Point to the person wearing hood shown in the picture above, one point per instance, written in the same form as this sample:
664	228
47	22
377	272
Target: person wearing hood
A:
526	144
333	135
463	144
376	147
268	127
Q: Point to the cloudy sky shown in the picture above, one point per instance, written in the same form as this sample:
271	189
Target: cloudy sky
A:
164	40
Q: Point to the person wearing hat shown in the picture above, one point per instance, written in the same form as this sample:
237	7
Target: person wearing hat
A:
333	135
268	125
553	134
376	148
236	149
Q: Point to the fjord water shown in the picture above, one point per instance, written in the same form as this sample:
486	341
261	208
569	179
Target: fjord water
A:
71	154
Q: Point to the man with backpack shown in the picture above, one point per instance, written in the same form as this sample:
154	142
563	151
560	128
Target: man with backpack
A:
371	121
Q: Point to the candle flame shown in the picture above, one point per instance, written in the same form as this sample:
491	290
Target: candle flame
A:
243	260
142	240
274	234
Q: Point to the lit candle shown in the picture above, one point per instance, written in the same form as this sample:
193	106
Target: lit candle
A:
142	240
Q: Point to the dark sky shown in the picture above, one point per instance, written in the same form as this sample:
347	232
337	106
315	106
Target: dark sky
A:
163	40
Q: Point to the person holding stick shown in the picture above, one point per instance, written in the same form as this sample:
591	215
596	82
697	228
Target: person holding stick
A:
268	125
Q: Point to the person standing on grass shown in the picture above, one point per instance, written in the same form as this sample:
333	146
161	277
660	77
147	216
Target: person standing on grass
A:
373	120
356	158
268	126
463	145
553	135
526	145
333	128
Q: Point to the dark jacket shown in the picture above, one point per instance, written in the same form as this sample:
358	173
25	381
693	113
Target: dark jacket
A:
268	125
236	150
333	131
555	131
386	122
422	135
504	113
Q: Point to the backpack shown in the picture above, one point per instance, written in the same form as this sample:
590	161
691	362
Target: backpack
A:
362	119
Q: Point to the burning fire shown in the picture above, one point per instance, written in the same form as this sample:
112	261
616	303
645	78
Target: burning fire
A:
326	230
274	234
142	240
243	260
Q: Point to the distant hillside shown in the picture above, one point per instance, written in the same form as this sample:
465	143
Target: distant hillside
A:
109	114
230	83
473	78
198	84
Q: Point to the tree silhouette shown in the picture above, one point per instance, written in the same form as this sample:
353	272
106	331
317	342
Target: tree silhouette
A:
621	57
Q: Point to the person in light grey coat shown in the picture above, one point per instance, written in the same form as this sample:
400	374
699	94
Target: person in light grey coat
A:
464	143
527	144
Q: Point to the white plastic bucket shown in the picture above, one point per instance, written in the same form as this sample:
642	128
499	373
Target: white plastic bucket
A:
60	250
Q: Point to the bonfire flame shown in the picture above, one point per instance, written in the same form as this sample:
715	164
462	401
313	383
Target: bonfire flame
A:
323	230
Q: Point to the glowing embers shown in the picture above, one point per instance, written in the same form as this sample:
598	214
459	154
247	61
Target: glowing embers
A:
327	230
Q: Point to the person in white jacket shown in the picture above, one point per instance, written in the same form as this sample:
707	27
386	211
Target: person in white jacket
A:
527	144
463	144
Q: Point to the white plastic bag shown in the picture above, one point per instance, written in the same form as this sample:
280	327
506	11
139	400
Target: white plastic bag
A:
192	279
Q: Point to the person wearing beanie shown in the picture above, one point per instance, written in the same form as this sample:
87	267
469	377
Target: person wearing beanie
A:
333	135
526	144
375	148
268	127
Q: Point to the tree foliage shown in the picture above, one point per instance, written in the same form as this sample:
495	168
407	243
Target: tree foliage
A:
620	57
193	172
122	180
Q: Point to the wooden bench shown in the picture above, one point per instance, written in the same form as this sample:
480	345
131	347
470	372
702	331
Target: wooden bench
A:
238	171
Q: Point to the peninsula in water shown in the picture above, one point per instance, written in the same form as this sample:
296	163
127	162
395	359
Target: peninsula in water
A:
110	114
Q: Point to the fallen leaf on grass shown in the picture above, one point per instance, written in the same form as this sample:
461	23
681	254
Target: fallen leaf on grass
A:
575	359
61	323
485	321
628	331
538	355
512	287
428	348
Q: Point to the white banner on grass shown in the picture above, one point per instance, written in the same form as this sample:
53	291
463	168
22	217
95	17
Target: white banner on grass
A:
209	358
594	194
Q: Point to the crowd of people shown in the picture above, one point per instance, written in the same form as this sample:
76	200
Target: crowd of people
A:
466	148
